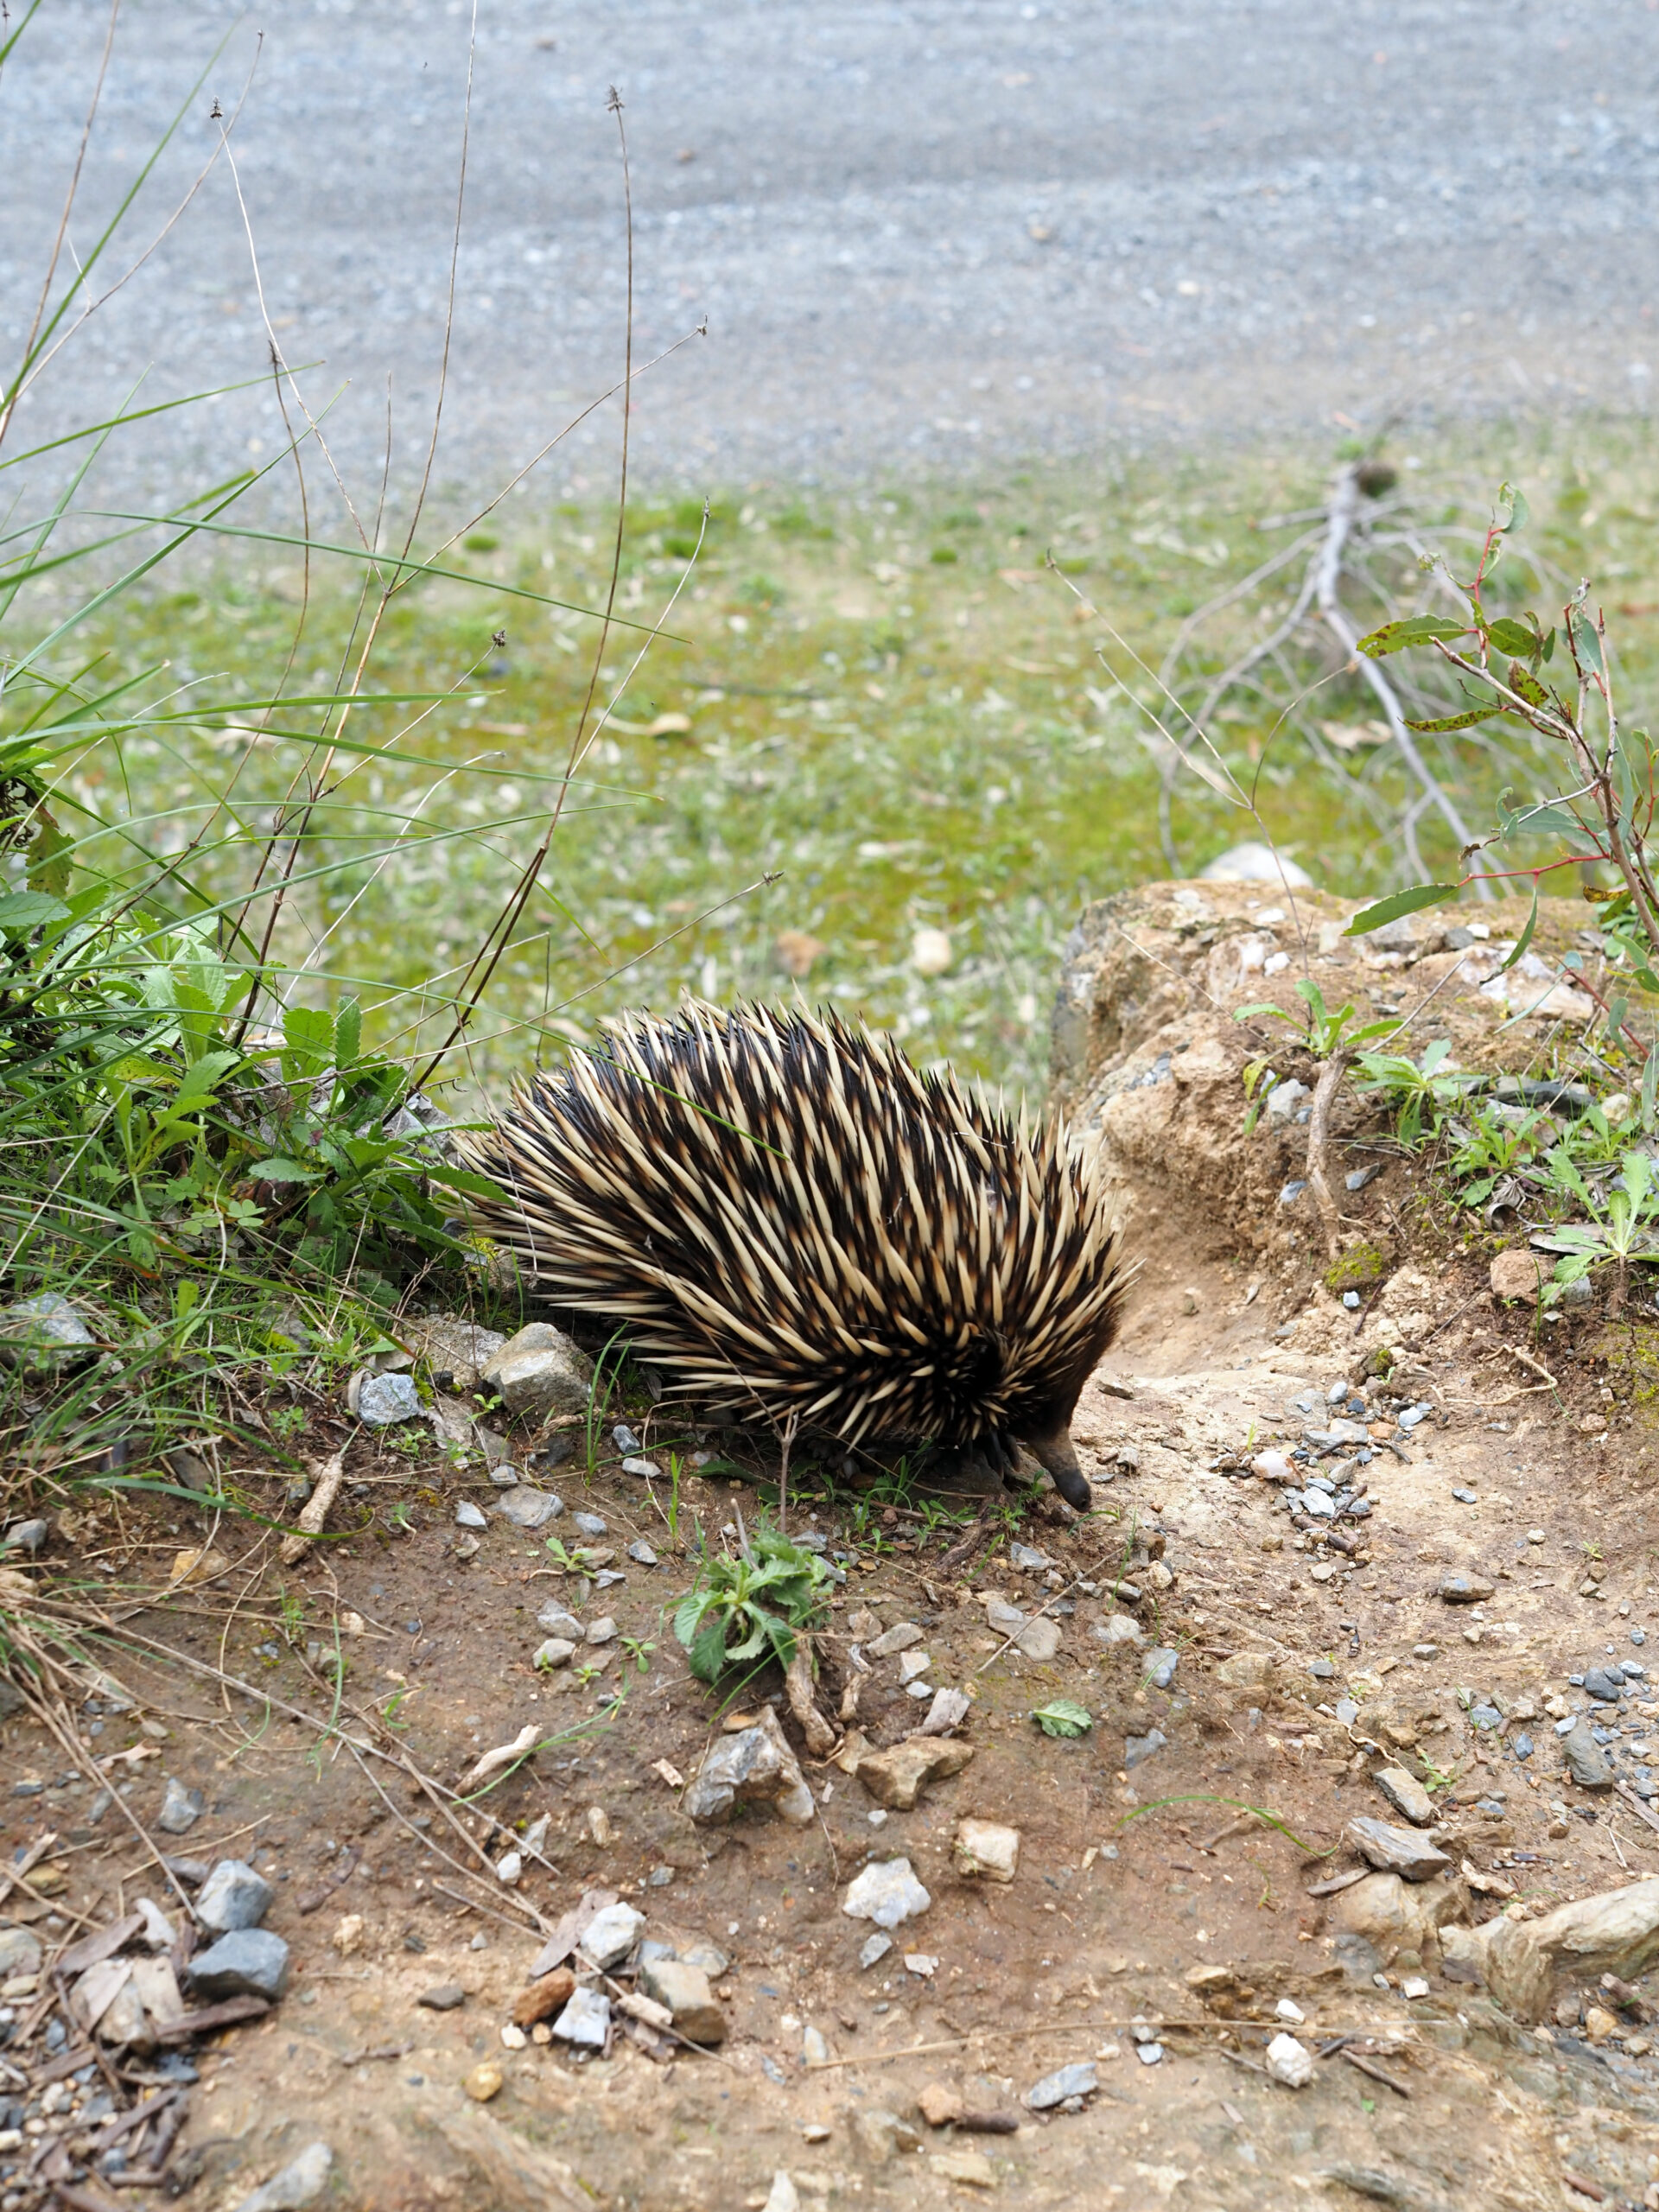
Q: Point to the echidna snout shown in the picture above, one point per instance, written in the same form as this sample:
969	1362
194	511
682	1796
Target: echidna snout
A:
1057	1455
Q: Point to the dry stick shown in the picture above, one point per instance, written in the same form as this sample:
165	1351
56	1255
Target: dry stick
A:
1318	1137
330	1475
1344	505
1054	2028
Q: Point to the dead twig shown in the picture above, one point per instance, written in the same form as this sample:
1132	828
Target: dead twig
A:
328	1474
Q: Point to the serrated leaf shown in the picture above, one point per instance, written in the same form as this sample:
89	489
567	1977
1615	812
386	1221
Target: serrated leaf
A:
1399	903
23	911
1063	1716
1414	630
708	1652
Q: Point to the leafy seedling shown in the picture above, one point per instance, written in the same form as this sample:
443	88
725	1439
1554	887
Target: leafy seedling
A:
762	1601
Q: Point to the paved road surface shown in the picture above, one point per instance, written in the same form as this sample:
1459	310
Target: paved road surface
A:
923	234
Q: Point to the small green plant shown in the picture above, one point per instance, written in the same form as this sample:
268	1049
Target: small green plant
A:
757	1604
1320	1033
1621	1213
636	1649
1414	1087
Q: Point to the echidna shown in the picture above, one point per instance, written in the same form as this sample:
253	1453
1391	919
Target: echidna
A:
790	1219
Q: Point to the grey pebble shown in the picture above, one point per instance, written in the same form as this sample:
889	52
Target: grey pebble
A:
641	1553
446	1998
874	1948
250	1961
1138	1749
25	1536
302	2181
624	1438
1465	1497
1079	2080
1160	1665
590	1524
1149	2054
233	1895
527	1507
383	1400
1587	1762
468	1516
1522	1746
506	1477
180	1808
1604	1684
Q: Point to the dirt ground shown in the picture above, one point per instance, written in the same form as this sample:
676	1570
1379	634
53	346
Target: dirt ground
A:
1146	1897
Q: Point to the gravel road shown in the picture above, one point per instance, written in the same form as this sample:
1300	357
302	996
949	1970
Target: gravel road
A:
926	235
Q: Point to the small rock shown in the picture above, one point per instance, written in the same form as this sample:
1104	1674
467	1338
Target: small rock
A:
468	1516
1587	1763
1138	1749
1518	1273
1160	1664
922	1964
1246	1670
683	1989
540	1374
647	1468
897	1776
485	2080
526	1507
597	1821
1604	1684
233	1895
983	1847
1407	1794
756	1764
709	1957
26	1536
250	1961
180	1808
44	1335
873	1948
1118	1627
504	1477
1150	2053
971	2169
887	1892
1396	1851
939	2105
898	1638
1027	1559
20	1952
1414	1987
590	1524
603	1630
949	1710
299	2184
913	1665
782	2196
544	1998
586	2019
610	1935
383	1401
1290	2062
446	1997
881	2133
624	1438
1077	2081
1465	1590
1273	1467
555	1621
641	1553
1322	1571
814	2049
556	1651
1290	2012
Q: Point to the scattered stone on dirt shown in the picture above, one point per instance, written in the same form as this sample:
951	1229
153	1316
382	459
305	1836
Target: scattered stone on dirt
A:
949	1709
542	1999
1290	2062
971	2169
939	2104
1407	1794
555	1651
1518	1273
586	2019
302	2181
26	1536
383	1401
1118	1627
1396	1851
1067	2082
44	1335
484	2081
248	1962
468	1516
446	1997
528	1508
887	1892
891	1641
1465	1590
1616	1932
1393	1917
874	1950
984	1847
1587	1762
540	1374
233	1895
1246	1670
1138	1749
683	1990
897	1776
180	1808
554	1620
756	1765
610	1935
455	1350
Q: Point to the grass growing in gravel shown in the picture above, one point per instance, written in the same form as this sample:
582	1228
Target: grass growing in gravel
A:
881	700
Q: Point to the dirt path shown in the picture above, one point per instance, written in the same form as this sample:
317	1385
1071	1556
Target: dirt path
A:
1150	1905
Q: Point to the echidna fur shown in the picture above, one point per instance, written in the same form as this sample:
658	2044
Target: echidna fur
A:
791	1219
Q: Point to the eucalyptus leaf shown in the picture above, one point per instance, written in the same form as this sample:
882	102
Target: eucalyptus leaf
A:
1399	903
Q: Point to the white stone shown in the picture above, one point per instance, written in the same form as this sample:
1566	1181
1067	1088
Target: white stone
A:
986	1848
887	1893
611	1935
1290	2062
